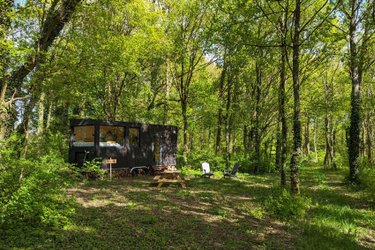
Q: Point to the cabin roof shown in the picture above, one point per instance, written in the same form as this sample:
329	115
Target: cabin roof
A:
83	122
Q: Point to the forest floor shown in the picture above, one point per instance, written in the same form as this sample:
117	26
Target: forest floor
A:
215	213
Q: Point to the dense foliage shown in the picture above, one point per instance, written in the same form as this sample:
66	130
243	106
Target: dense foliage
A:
32	189
211	68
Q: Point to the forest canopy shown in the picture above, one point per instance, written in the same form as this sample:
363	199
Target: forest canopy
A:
255	81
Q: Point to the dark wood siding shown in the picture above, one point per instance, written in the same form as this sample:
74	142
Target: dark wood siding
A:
128	155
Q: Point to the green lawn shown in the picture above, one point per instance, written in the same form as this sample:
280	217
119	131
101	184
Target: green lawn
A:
212	214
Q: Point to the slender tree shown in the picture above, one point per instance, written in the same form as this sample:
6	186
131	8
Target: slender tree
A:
297	138
361	29
281	94
188	33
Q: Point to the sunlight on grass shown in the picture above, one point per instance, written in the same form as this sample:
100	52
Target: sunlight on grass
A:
335	219
220	213
131	204
223	212
77	229
251	209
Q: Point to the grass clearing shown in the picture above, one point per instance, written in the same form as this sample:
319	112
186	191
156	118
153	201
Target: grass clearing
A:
212	214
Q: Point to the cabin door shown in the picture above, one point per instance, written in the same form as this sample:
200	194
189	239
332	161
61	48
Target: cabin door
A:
157	150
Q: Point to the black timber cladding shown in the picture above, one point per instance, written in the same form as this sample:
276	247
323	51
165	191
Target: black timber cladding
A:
128	155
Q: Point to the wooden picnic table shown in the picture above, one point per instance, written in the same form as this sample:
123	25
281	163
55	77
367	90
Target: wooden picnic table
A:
170	176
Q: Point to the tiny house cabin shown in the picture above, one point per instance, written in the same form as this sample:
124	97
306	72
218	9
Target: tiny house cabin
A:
131	144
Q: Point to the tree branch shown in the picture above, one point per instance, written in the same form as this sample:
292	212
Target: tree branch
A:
54	23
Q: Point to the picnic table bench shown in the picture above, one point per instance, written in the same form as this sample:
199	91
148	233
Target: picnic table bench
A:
170	176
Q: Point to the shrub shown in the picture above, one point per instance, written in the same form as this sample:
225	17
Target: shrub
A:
367	177
195	159
31	193
31	190
49	144
286	206
93	169
190	172
265	164
246	165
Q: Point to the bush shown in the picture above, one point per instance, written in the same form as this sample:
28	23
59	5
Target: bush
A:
31	193
49	144
265	164
93	169
190	172
367	177
246	164
286	206
195	159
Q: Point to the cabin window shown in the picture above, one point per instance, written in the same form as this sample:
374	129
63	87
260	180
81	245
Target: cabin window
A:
111	136
84	136
157	150
134	136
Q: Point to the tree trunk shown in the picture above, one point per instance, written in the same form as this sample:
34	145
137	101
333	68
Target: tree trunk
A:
258	72
5	106
24	127
369	139
245	140
227	145
278	144
281	98
49	115
183	92
191	142
185	129
203	142
316	139
251	139
328	124
4	110
271	148
356	79
297	138
220	109
307	138
228	122
209	138
40	128
267	147
332	149
369	124
327	156
362	145
167	93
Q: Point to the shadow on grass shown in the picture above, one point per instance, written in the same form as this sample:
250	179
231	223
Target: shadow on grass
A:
319	236
328	196
209	214
132	215
123	228
339	218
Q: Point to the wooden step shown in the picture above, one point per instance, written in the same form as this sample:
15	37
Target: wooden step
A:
171	181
